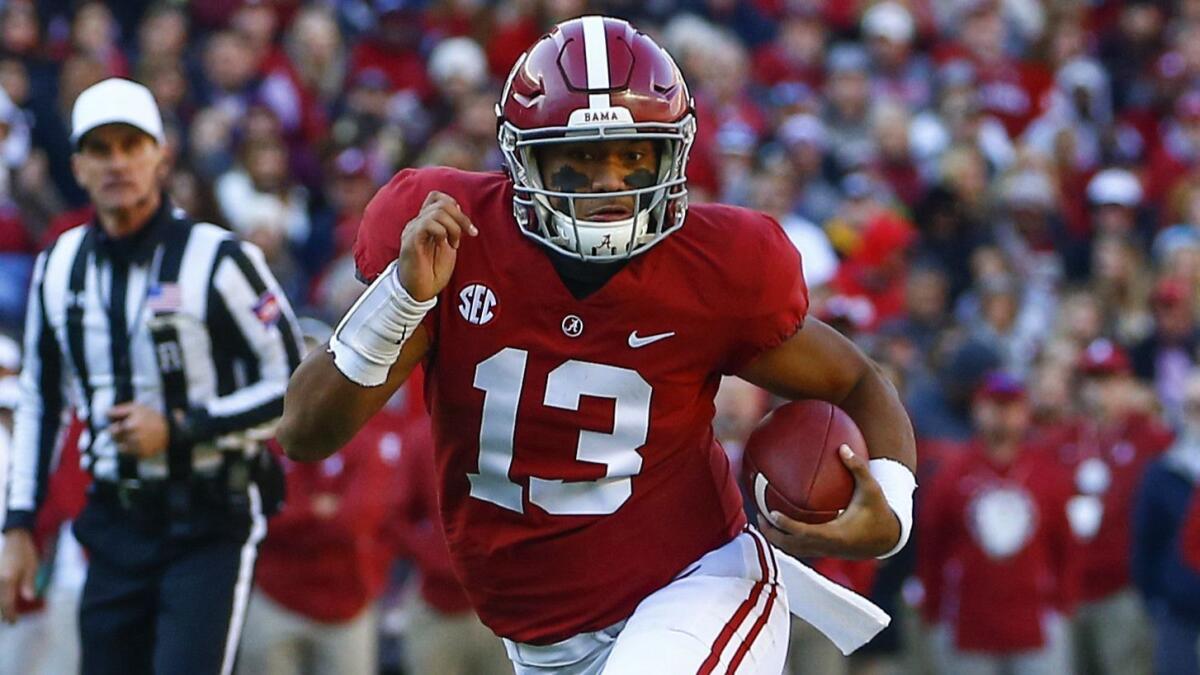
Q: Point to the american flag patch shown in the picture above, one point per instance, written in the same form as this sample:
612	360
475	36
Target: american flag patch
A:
164	298
267	308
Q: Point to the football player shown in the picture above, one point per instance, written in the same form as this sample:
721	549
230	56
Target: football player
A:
575	316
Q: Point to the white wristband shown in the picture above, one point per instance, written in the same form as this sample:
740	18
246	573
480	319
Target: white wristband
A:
368	340
898	484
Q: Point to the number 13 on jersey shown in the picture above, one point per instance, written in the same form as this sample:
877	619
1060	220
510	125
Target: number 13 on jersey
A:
501	377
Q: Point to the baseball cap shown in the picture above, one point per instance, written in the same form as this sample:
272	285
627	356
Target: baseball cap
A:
1115	186
1029	189
116	101
458	57
999	385
1103	357
804	129
889	20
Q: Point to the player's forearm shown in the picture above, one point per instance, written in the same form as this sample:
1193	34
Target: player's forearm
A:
875	406
322	409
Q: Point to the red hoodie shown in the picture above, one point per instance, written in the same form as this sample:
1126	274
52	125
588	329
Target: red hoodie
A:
994	549
418	529
329	567
876	269
1108	464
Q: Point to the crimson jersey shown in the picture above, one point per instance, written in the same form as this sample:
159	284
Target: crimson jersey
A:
576	462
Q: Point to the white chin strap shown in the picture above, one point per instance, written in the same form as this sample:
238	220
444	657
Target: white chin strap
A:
600	239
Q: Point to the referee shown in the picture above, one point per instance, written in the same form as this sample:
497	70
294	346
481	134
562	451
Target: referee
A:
173	341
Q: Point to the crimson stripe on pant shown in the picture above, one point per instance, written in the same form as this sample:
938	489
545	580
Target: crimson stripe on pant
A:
763	618
742	612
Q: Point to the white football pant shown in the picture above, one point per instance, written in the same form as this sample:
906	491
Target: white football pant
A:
726	613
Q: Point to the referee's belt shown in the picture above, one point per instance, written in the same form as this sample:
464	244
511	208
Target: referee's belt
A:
168	497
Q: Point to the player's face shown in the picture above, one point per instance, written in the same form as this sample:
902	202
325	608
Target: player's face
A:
598	167
119	166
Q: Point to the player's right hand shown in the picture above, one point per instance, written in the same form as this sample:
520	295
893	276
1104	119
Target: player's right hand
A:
18	570
429	245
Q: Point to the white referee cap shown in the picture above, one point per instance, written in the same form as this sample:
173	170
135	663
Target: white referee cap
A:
116	101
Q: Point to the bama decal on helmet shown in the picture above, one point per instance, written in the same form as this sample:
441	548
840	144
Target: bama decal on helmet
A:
593	116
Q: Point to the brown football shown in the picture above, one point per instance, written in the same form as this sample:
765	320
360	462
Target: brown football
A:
791	461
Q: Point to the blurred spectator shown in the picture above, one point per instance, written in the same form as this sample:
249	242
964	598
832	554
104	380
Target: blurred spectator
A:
797	53
1009	88
925	318
995	548
950	233
163	33
939	401
772	194
893	161
393	47
1122	284
458	68
847	116
1178	148
443	635
229	73
304	79
326	559
1168	354
1170	588
94	34
1189	534
1010	323
1107	450
805	142
1029	230
898	72
877	265
1079	113
260	203
959	118
350	189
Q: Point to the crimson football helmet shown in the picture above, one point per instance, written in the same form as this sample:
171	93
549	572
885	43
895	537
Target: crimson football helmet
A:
596	78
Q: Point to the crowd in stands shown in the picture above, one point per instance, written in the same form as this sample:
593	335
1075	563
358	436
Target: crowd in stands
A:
998	199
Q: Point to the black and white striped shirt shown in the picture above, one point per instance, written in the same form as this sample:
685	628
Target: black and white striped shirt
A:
181	316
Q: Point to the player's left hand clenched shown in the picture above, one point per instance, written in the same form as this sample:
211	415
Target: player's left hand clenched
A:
866	529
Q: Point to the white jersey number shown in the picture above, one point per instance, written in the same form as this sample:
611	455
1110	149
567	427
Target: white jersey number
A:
501	377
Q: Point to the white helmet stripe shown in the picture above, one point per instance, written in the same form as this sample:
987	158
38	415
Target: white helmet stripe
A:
595	50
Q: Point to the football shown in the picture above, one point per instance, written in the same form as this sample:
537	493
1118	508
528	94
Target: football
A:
791	463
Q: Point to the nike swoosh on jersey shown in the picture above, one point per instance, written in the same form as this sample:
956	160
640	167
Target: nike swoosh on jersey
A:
635	341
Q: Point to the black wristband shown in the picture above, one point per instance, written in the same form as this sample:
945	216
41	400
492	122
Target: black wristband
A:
19	519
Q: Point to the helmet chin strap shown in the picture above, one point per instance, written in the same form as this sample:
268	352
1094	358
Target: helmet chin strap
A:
582	236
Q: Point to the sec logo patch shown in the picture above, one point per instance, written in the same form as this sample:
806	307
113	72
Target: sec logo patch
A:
477	304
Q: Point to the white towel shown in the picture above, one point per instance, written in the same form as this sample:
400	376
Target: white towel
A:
843	616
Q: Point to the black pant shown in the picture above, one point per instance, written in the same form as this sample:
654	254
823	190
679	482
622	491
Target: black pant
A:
163	597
